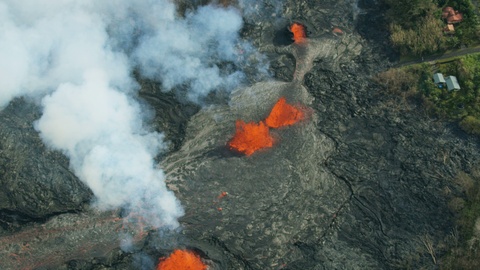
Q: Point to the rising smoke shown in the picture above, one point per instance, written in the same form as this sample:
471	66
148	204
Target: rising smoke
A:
254	10
77	58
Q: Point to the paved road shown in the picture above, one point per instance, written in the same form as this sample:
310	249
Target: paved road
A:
436	57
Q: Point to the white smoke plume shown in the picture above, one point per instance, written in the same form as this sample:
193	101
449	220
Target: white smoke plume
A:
77	58
254	10
201	50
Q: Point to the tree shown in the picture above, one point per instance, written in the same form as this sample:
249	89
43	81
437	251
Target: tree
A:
471	125
426	38
407	12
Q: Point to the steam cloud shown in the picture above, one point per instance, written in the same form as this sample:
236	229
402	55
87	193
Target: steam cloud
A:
254	10
77	57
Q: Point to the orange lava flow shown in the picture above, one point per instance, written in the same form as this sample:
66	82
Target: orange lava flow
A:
298	31
283	114
182	260
250	137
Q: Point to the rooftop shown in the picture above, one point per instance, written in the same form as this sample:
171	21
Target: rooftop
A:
438	78
451	15
452	83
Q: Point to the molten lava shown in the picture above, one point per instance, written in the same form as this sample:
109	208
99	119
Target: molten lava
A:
250	137
283	114
182	260
298	31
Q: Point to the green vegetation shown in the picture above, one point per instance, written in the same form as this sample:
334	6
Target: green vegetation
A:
471	125
464	252
416	26
416	82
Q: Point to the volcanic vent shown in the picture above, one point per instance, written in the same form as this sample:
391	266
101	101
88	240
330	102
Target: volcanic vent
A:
299	32
284	114
181	260
250	137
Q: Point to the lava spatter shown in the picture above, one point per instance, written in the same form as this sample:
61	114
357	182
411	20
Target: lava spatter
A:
182	260
283	114
299	34
251	137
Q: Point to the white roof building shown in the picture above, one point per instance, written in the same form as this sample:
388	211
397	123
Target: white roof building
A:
452	83
438	78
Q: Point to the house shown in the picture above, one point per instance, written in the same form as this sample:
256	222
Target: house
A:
452	83
451	15
449	29
439	80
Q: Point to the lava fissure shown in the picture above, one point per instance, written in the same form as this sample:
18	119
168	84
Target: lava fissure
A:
283	114
299	34
182	260
251	137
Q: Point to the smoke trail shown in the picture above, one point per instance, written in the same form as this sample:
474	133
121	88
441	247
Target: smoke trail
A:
77	57
254	10
202	50
185	52
108	149
89	114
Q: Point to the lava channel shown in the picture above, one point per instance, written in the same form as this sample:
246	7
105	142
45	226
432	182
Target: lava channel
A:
283	114
182	260
251	137
299	34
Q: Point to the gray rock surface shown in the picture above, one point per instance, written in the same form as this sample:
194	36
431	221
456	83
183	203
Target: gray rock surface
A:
36	182
276	197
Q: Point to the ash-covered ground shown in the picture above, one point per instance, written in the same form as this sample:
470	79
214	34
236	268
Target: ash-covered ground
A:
360	183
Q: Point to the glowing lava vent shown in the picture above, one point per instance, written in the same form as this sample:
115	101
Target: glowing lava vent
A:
298	31
182	260
283	114
250	137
